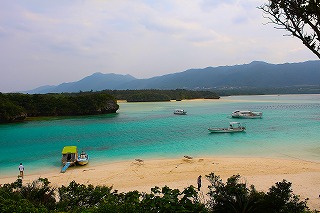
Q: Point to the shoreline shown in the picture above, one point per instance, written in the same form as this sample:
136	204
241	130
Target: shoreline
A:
142	175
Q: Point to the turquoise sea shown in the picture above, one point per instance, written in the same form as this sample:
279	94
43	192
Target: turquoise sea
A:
290	128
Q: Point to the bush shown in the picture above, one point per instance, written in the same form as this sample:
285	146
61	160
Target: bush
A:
233	196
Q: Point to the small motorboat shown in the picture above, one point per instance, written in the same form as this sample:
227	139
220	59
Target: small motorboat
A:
233	127
83	159
246	114
179	112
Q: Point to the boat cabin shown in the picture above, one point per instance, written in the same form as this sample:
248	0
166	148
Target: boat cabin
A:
69	154
83	158
246	114
83	155
180	112
235	125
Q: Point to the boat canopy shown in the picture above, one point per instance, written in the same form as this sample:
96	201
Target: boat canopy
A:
242	111
233	123
69	149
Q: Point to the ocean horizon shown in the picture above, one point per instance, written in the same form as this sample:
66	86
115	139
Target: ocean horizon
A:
289	129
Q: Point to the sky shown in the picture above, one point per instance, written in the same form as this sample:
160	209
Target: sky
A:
45	42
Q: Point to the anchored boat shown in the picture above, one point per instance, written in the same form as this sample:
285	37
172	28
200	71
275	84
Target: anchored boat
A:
180	112
246	114
233	127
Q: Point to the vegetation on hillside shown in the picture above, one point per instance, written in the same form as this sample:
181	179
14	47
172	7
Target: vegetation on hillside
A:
268	91
17	106
160	95
231	196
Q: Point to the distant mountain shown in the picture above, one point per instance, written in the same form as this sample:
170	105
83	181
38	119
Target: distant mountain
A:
96	82
42	88
257	74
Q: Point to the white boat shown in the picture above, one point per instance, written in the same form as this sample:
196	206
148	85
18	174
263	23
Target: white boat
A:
83	158
246	114
233	127
180	112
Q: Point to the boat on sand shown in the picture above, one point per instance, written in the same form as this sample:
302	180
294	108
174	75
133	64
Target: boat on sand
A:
70	157
83	158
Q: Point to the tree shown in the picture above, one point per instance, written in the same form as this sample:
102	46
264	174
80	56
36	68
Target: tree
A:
281	199
234	196
301	18
35	197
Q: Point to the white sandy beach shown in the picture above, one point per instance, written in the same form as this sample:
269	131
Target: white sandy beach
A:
180	173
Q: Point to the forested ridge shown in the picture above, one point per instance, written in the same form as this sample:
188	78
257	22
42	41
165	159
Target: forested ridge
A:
17	106
160	95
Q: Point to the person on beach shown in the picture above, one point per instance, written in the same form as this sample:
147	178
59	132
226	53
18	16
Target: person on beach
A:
21	169
199	182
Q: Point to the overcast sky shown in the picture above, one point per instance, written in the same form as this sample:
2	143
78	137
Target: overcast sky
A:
48	42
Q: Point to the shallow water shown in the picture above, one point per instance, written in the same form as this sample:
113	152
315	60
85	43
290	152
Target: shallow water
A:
289	129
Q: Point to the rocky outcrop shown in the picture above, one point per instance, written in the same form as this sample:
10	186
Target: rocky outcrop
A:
12	118
110	107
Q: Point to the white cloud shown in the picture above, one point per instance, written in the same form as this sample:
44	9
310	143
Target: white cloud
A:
50	42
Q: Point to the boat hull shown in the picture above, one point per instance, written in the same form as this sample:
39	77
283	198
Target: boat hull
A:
246	114
247	117
83	159
82	162
180	112
226	130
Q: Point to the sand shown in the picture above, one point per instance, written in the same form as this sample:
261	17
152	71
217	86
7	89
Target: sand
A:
142	175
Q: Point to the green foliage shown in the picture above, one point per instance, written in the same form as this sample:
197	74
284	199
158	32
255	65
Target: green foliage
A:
160	95
268	91
172	200
9	111
147	96
39	193
300	18
233	196
16	106
20	206
35	197
78	196
280	199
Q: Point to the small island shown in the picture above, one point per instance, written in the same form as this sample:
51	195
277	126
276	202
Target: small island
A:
16	107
